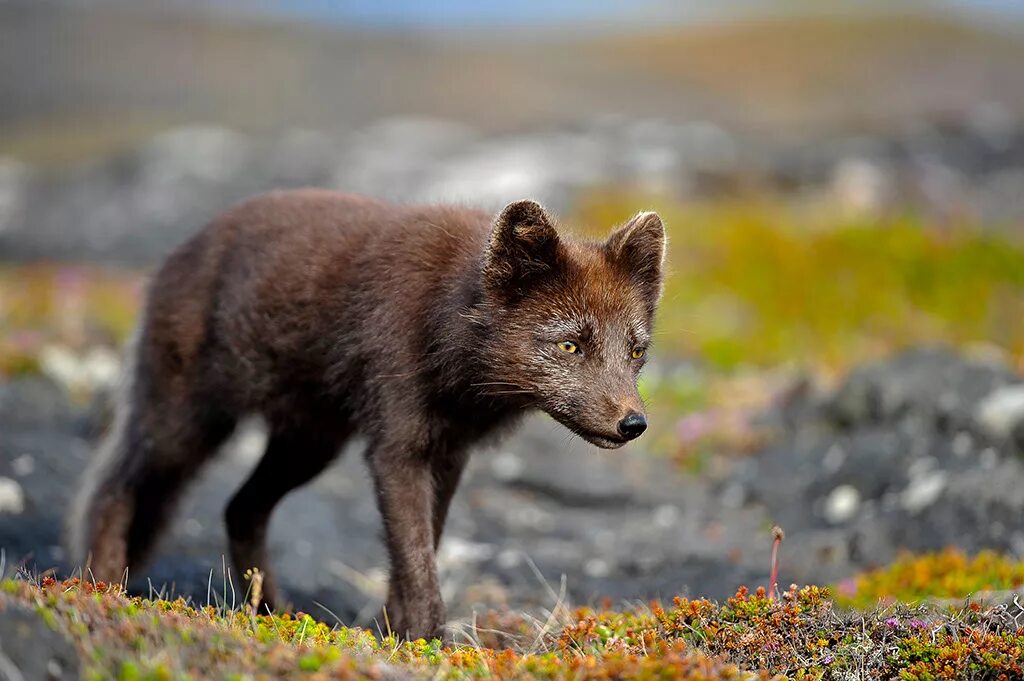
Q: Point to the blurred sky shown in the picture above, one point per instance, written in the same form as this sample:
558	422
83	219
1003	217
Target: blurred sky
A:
605	12
581	13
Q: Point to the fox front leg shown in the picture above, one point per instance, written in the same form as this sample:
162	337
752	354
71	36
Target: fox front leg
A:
405	495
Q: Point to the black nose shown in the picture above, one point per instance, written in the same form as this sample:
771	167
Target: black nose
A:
632	426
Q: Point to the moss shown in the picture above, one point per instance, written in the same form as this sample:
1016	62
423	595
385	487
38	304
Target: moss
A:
750	282
767	283
947	575
800	635
76	307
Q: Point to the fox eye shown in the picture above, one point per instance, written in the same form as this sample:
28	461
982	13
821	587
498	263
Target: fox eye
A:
638	352
569	346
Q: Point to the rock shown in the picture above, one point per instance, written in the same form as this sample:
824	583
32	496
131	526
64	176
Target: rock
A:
1001	411
206	153
14	178
12	498
898	457
29	649
23	465
860	186
135	206
34	402
841	504
932	383
923	491
1018	436
578	475
96	370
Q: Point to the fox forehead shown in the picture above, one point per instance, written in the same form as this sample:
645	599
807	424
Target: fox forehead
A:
592	298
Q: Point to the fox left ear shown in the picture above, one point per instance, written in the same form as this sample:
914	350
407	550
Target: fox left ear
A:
523	245
639	247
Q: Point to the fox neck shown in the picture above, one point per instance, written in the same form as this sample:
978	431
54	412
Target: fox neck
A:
466	362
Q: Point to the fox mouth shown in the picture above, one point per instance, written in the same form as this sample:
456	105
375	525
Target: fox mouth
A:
601	440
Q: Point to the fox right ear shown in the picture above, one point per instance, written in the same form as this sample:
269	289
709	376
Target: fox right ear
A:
523	245
639	246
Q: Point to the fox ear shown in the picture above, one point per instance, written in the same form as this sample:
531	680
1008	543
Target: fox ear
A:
523	245
639	247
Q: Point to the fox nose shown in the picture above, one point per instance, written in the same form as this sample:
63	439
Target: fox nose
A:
632	426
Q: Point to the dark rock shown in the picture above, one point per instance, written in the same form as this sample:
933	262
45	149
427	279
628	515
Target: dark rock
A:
34	402
934	384
896	459
577	475
1018	437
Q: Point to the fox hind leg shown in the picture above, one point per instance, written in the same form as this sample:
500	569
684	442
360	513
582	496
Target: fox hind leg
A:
154	449
293	457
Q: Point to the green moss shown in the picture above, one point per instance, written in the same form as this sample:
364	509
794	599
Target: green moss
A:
310	662
799	635
948	575
764	283
129	671
75	307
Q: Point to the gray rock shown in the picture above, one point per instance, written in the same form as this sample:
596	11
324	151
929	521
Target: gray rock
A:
934	383
578	475
1000	412
30	650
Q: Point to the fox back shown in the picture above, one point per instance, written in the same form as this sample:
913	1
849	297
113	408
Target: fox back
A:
421	328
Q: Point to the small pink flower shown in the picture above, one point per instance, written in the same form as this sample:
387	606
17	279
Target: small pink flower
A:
692	427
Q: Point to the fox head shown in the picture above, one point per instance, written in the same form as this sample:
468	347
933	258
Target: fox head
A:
571	320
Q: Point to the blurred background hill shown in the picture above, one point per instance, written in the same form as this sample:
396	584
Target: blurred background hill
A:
80	77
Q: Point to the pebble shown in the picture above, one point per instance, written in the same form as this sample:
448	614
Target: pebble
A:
249	442
734	495
506	466
842	504
24	465
834	458
12	498
924	491
456	550
509	558
666	516
962	444
596	568
1001	411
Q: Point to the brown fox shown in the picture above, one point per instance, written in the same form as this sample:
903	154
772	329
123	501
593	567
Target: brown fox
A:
423	329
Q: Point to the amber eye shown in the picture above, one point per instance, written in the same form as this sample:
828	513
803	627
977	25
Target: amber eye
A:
569	346
638	353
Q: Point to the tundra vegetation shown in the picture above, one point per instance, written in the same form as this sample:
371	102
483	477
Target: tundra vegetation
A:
756	290
915	625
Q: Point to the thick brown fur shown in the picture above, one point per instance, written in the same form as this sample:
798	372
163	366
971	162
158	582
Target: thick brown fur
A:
423	329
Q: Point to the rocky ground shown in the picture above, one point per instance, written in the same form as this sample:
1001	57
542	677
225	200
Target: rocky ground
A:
918	452
135	206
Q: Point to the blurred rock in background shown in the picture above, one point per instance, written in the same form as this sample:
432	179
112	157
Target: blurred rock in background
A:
133	207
